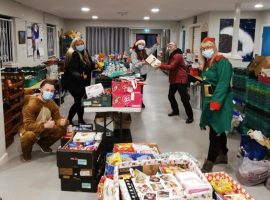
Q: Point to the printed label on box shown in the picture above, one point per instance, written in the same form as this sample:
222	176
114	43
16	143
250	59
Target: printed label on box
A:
82	162
87	103
86	185
85	173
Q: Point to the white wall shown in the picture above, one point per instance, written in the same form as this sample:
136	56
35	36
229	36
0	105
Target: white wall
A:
79	25
266	17
22	15
2	128
187	25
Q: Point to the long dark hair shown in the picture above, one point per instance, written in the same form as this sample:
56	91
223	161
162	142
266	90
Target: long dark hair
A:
141	54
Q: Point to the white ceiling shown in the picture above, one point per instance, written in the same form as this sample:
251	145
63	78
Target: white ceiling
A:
137	9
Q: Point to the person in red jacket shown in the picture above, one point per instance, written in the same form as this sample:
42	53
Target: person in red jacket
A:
178	81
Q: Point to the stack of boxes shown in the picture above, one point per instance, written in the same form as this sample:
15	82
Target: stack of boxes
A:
78	162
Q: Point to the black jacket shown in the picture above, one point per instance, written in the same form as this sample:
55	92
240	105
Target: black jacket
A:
74	81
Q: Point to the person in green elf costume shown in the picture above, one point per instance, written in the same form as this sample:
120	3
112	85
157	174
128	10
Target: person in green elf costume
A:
217	102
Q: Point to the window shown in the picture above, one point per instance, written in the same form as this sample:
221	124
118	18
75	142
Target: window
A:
51	40
6	50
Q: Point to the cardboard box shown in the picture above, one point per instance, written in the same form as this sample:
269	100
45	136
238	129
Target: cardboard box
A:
151	145
131	100
78	184
123	86
104	100
78	158
258	64
151	167
67	173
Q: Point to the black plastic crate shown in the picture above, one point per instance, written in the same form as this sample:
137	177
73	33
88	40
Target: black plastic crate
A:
118	137
78	184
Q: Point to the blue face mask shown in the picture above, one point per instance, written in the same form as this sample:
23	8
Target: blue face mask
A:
47	95
80	47
140	47
208	53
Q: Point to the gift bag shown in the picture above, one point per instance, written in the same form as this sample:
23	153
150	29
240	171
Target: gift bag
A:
253	172
252	149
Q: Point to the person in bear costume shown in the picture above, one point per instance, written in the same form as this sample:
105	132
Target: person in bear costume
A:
42	121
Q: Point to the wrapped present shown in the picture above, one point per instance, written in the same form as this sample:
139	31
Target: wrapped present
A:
126	86
157	186
131	100
225	186
114	158
145	148
101	189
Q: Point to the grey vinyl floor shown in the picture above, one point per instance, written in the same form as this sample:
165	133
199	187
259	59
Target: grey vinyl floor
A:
38	179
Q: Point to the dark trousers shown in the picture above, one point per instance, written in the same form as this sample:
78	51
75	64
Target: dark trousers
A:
76	108
218	143
144	77
182	89
47	138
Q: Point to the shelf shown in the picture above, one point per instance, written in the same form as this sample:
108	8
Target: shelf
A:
14	96
14	106
15	85
13	118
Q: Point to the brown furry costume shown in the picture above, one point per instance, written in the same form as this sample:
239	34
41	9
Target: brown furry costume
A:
35	113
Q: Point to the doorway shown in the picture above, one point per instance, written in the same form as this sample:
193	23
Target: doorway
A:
266	41
150	39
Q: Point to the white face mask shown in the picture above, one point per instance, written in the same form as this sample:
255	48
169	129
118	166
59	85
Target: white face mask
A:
208	53
140	47
80	47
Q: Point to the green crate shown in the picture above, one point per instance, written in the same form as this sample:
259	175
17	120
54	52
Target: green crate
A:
101	101
30	82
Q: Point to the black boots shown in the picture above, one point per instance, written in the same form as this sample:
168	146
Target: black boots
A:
189	120
207	166
222	158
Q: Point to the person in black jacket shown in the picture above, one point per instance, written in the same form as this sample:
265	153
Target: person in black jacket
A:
78	66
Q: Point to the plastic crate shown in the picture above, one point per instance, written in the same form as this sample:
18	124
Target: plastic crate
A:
30	82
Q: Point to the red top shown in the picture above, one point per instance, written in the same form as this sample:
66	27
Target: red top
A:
177	69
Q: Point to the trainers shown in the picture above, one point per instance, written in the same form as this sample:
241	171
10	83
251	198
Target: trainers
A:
46	149
188	121
173	114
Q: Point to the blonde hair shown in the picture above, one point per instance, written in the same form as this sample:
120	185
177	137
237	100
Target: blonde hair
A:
204	45
83	55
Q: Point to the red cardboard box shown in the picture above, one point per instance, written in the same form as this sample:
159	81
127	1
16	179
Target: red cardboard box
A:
133	100
123	86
